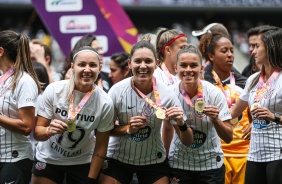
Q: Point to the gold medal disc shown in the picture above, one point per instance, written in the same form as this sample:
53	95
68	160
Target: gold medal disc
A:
71	126
160	113
255	105
200	105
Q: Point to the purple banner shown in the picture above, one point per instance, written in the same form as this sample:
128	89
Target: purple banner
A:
68	20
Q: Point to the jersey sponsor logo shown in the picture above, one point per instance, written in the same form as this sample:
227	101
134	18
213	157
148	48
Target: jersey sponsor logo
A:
63	5
40	166
142	134
199	139
260	123
81	117
64	152
30	99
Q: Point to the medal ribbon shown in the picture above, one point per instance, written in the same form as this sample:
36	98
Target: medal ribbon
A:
73	112
263	87
157	104
232	98
186	96
167	73
4	77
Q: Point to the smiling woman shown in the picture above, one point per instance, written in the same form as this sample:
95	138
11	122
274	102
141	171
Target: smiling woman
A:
141	103
68	113
208	116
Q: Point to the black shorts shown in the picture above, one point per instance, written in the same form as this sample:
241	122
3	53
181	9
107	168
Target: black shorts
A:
214	176
264	172
146	174
16	172
75	174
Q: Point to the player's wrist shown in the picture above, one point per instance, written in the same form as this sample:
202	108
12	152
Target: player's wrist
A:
183	128
47	132
91	181
128	131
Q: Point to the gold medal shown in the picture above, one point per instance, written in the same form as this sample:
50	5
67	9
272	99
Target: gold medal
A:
71	126
234	121
200	105
255	105
160	113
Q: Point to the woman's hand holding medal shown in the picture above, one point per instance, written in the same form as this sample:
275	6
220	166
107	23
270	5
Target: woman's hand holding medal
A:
212	112
262	113
176	114
135	123
56	127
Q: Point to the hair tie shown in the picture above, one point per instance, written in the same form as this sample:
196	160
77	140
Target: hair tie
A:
85	50
172	40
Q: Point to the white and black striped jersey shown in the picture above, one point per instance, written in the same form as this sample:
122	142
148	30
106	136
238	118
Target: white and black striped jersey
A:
266	136
160	75
145	147
14	146
205	153
72	148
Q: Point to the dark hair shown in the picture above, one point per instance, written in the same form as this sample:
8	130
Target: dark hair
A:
190	49
208	43
272	38
143	44
16	48
86	40
42	74
47	49
256	30
120	59
163	36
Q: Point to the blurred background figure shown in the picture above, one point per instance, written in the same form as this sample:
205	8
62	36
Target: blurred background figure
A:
40	52
168	43
119	69
42	74
252	34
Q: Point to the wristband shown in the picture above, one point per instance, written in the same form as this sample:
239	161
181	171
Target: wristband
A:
183	128
128	131
91	181
47	133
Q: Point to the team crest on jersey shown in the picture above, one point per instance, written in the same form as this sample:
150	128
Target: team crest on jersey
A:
40	166
189	115
199	139
268	94
142	134
174	180
147	110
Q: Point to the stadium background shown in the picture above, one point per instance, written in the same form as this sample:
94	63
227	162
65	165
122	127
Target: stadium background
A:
147	15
